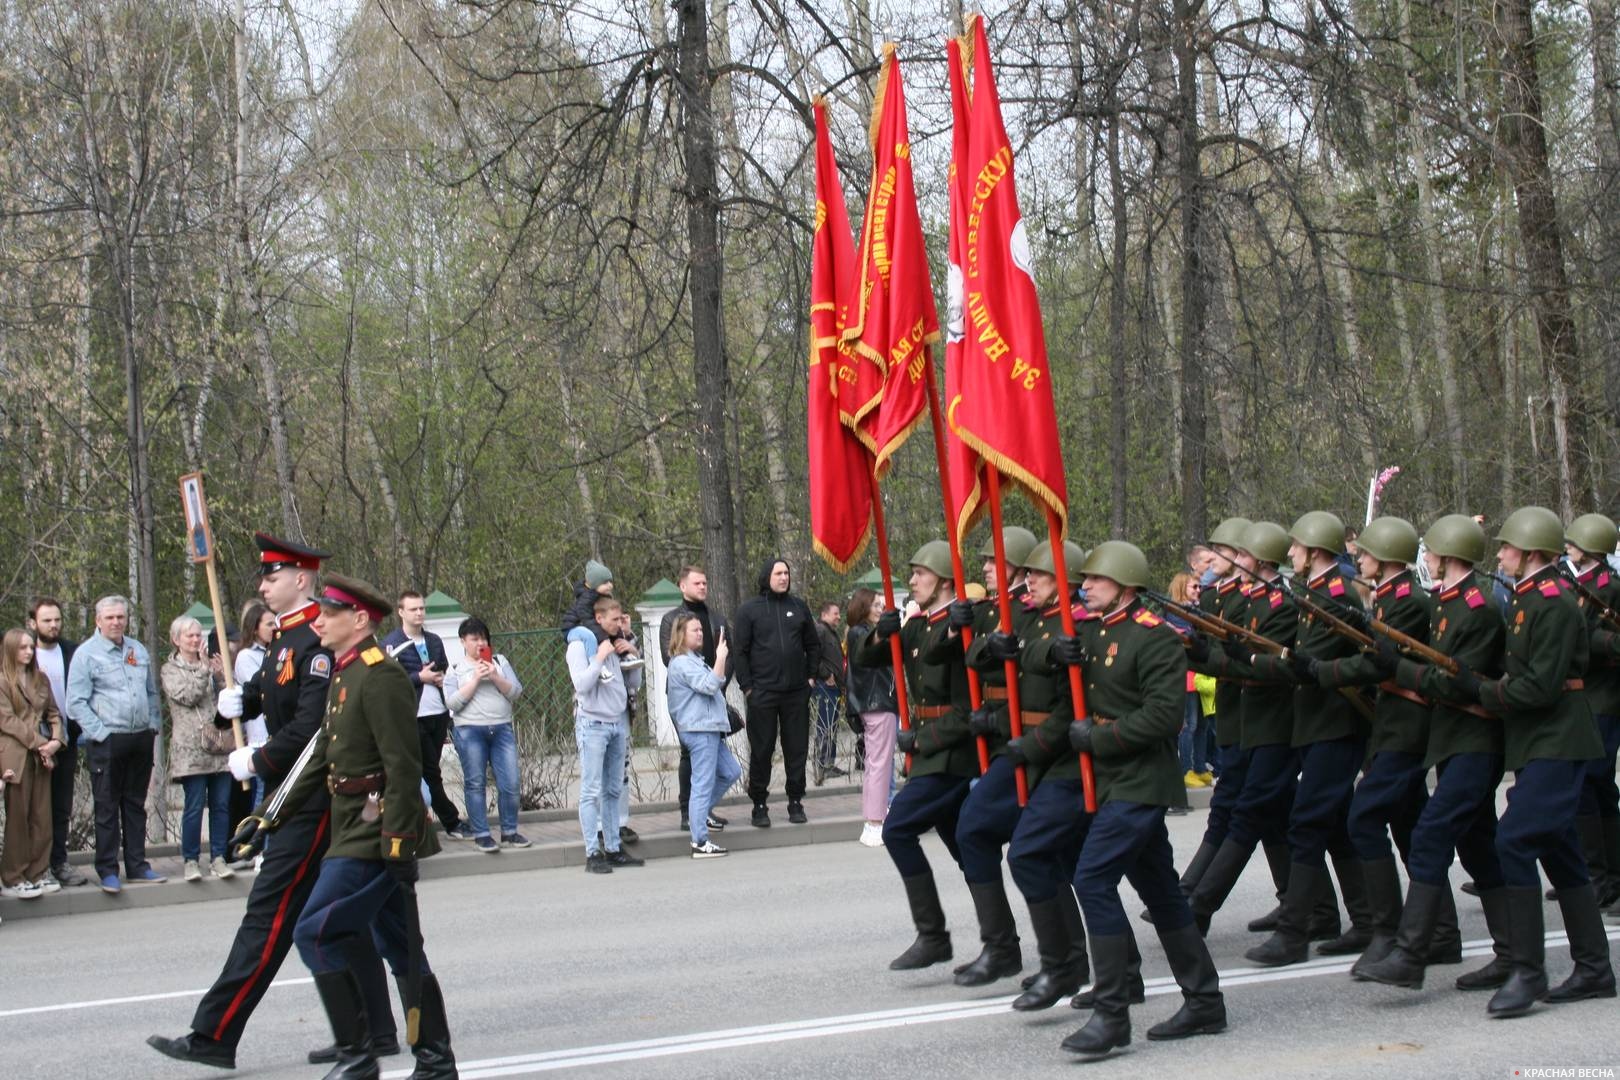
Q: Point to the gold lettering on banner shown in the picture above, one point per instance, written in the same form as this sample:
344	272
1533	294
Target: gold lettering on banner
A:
821	215
881	198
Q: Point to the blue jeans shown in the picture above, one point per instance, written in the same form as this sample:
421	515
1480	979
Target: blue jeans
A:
1192	742
714	770
214	789
601	780
480	747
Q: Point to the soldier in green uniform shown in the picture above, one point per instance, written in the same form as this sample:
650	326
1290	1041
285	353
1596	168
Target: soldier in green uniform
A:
1135	672
1587	541
1394	784
1549	738
368	757
938	744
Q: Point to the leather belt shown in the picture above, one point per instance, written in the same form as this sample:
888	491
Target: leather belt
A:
933	712
1574	684
1033	718
993	693
356	785
1474	710
1390	686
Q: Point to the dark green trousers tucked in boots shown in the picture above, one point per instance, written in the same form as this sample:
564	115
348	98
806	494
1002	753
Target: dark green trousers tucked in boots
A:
933	944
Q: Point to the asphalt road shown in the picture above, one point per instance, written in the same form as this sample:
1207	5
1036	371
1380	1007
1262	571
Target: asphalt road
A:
770	963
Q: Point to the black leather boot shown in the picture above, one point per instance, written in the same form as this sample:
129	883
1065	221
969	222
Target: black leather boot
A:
1347	868
1593	976
1383	883
1216	884
1590	829
381	1046
199	1049
346	1010
1076	926
1135	990
1495	973
1000	956
1402	965
1445	947
1110	1023
1609	888
434	1058
933	944
1278	858
1289	944
1527	984
1203	1009
1059	976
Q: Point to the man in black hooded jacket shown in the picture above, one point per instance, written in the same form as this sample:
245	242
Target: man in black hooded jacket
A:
775	650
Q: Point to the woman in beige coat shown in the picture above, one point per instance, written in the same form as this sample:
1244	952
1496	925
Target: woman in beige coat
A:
197	749
30	735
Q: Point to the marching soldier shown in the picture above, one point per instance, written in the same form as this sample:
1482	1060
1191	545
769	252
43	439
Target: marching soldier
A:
1135	671
1549	737
290	691
368	758
1587	541
1394	784
991	808
1465	750
943	758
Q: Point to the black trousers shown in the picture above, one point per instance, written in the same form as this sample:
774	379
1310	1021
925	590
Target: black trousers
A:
62	780
432	730
120	771
685	775
281	890
770	713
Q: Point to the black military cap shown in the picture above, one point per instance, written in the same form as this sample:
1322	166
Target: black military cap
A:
277	554
340	591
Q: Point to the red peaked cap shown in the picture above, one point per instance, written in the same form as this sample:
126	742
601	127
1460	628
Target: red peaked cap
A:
340	591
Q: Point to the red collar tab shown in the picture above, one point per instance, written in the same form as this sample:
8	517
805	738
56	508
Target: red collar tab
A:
1524	586
1055	609
299	617
937	616
348	658
1450	594
1225	587
1116	617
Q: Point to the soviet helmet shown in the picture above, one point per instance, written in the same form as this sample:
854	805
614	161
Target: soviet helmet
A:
1594	534
1456	536
1266	541
1229	533
1319	529
1120	561
1074	557
1533	528
935	556
1389	539
1016	541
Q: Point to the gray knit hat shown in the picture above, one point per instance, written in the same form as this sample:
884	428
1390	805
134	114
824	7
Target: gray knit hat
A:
596	575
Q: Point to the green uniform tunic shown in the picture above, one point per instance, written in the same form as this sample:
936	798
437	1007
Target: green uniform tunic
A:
1400	724
1545	714
369	735
1268	704
1467	627
992	672
935	678
1320	714
1603	669
1043	687
1226	600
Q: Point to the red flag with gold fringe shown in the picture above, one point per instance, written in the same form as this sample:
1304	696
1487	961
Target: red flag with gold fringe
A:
966	472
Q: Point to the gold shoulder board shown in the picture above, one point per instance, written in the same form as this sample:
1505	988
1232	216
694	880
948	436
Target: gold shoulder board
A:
372	656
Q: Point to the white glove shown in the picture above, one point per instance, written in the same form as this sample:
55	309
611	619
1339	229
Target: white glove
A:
229	703
241	759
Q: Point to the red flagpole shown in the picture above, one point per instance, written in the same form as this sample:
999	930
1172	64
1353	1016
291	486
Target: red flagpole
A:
1015	713
1054	529
888	599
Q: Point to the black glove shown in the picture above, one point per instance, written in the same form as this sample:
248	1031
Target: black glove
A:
907	740
1197	647
982	722
222	722
248	840
1465	683
1080	735
1356	617
1002	646
1237	650
961	614
1386	658
403	871
1068	651
1303	665
1015	750
888	625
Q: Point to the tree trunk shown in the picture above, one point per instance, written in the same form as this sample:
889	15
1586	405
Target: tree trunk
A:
1606	138
1119	398
1194	508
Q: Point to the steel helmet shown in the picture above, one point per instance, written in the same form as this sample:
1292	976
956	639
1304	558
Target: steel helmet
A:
1593	534
1319	529
1389	539
1457	536
1229	533
1266	541
1119	561
935	556
1016	540
1074	557
1533	528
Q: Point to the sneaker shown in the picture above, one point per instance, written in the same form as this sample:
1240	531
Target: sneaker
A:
459	832
624	858
796	813
110	885
148	876
708	850
833	770
1193	780
48	885
1207	777
487	845
597	864
516	839
193	871
627	835
222	869
67	875
872	834
717	824
23	890
761	818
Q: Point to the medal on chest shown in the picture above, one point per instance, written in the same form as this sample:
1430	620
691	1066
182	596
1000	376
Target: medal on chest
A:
1113	651
1440	631
1518	622
285	672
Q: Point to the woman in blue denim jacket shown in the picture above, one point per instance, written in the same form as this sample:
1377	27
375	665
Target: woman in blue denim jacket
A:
697	704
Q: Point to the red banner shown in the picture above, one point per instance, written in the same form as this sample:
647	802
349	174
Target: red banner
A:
1003	406
840	483
966	472
893	321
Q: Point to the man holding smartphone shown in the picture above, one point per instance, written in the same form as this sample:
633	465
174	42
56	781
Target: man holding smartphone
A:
421	653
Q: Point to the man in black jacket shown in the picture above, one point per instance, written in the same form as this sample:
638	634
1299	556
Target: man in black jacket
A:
421	653
54	655
828	691
694	586
776	652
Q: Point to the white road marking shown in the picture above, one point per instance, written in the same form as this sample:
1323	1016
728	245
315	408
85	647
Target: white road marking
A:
67	1006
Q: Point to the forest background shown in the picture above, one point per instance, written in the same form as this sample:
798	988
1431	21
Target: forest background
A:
469	292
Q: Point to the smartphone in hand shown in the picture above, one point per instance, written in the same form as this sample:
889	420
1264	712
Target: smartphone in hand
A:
486	654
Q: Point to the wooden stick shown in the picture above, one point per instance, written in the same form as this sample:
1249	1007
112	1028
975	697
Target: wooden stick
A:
224	651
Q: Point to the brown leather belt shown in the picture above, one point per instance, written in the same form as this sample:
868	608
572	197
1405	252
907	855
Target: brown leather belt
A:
933	712
1393	687
994	693
1474	710
1574	684
356	785
1033	718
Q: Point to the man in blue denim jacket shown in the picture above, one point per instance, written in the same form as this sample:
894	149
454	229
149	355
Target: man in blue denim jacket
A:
112	692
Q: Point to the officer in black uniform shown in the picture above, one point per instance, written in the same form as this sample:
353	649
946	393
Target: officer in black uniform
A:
290	691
